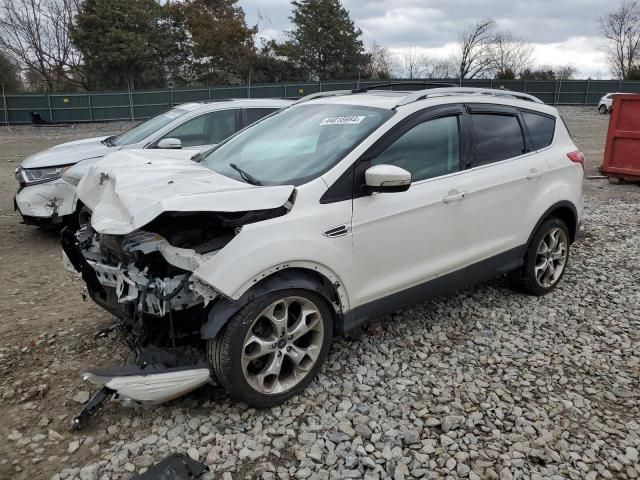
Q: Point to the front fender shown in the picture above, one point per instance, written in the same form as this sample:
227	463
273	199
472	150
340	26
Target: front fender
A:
285	279
244	262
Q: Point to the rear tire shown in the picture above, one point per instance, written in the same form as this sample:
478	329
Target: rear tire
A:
273	347
546	259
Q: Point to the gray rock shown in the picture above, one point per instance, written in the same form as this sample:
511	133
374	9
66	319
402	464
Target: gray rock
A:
193	454
81	397
73	446
143	461
363	430
149	440
411	437
307	438
303	473
451	422
90	472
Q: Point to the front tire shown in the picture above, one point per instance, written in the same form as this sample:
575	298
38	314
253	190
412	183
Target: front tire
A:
273	347
603	109
546	259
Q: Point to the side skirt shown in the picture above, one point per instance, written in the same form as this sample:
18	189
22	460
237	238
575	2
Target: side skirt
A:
451	282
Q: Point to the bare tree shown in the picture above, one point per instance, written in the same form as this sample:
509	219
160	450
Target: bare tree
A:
382	63
36	33
439	68
621	30
413	60
510	55
475	49
565	72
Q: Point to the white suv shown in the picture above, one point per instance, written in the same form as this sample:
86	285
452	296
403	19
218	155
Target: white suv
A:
329	213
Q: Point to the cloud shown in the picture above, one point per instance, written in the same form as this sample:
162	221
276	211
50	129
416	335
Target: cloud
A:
562	31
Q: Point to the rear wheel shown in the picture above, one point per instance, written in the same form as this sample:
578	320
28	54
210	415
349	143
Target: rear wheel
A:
546	258
603	109
273	347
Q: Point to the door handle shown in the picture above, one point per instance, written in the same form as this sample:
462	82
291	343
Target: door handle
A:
534	173
455	196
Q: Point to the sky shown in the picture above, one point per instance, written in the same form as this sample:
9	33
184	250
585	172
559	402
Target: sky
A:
562	31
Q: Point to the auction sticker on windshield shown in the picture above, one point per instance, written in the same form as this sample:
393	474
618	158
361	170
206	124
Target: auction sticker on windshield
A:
349	120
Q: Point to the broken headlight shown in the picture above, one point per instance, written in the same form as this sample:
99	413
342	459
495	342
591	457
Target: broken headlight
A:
31	176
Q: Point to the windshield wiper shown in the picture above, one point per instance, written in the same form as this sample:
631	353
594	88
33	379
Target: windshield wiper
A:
247	177
109	141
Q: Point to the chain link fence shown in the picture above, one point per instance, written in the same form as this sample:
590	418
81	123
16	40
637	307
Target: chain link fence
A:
141	104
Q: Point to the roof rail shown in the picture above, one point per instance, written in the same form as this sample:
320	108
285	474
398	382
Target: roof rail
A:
422	94
330	93
398	84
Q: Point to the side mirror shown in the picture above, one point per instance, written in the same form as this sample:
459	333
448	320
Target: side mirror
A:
387	178
173	143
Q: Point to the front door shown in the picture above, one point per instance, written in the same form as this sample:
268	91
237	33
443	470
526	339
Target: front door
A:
404	239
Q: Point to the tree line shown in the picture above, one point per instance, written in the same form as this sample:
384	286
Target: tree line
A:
113	44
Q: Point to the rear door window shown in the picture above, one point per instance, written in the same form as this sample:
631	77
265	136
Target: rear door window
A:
255	114
541	129
497	137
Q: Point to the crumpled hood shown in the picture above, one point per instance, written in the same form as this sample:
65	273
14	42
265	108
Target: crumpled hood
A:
129	188
68	153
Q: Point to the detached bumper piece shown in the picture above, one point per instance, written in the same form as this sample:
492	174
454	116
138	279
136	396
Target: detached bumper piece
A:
91	407
150	382
150	385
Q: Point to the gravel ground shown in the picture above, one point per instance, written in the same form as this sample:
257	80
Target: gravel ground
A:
485	383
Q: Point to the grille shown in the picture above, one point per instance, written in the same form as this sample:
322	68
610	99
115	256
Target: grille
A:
111	304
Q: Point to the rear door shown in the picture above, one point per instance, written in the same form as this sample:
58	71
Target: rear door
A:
509	180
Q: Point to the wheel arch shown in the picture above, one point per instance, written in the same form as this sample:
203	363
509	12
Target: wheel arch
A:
287	277
565	211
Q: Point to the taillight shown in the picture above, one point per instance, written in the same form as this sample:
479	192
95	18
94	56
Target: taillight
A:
577	157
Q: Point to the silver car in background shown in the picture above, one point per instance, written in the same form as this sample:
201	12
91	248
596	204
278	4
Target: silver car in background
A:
47	180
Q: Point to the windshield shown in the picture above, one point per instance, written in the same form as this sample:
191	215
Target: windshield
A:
295	145
146	128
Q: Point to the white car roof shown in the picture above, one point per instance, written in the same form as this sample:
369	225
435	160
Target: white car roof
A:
212	105
415	100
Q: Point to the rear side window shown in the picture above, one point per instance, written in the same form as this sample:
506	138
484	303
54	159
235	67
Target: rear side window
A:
541	129
497	137
255	114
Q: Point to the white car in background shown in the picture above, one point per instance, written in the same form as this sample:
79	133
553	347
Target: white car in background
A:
48	179
605	105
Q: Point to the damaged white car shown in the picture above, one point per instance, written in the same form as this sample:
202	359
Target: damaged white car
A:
329	213
47	180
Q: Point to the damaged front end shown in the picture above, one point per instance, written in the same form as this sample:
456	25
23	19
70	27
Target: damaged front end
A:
144	278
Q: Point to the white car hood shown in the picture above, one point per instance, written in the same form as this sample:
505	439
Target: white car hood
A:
68	153
129	188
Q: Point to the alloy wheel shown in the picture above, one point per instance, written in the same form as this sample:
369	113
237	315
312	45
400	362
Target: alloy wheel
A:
551	257
282	345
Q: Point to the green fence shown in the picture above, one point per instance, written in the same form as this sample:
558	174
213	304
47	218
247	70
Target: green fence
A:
141	104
